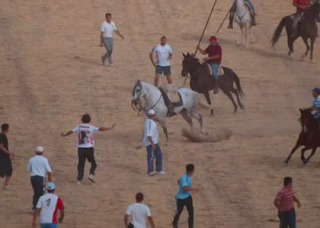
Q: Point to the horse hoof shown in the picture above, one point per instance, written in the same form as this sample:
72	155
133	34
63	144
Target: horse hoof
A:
242	107
238	43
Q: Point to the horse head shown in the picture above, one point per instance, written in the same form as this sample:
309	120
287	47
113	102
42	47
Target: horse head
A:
189	63
314	6
137	93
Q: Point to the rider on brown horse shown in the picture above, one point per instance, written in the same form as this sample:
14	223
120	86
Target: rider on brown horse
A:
214	53
301	5
233	10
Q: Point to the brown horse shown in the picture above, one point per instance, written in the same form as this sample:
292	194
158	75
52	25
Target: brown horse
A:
202	81
307	28
309	136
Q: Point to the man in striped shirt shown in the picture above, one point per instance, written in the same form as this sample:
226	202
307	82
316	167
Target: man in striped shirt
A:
284	201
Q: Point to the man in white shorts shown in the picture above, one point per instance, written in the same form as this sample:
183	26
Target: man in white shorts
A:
138	212
85	145
163	54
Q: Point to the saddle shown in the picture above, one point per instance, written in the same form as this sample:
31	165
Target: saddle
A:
220	70
299	18
171	96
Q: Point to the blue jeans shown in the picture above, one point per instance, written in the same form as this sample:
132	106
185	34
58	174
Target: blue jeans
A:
48	225
288	219
215	67
151	155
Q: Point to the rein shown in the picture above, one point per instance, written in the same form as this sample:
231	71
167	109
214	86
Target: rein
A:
243	14
202	64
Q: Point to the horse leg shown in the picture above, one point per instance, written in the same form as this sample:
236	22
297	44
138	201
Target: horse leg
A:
236	92
246	35
251	35
165	129
231	98
236	33
198	116
291	153
187	118
207	96
303	159
312	46
305	40
312	153
290	45
243	35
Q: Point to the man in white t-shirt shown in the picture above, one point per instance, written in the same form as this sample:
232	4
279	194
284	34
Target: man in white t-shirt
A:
163	53
39	167
150	141
106	38
138	212
85	145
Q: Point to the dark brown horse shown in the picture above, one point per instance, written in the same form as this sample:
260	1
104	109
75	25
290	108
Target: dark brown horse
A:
202	81
307	28
309	136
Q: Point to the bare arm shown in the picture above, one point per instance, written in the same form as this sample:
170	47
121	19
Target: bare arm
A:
214	57
201	50
61	216
119	34
107	128
126	220
49	176
276	202
35	216
152	60
297	201
170	56
190	189
101	39
4	149
66	134
150	219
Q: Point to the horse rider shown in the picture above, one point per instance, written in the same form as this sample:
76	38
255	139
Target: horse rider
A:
301	5
316	103
233	10
214	53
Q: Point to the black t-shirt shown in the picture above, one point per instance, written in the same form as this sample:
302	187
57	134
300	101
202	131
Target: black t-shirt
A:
4	142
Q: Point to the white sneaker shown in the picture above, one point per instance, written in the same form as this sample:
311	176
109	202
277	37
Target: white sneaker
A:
91	178
111	65
151	173
79	183
5	188
161	172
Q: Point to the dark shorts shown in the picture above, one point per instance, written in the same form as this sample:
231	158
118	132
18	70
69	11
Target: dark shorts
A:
163	70
5	167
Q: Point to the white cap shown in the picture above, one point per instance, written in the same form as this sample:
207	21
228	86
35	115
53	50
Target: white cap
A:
51	186
151	112
39	149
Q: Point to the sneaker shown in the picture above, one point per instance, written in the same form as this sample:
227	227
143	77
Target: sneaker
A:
79	183
151	173
111	65
91	178
161	172
5	188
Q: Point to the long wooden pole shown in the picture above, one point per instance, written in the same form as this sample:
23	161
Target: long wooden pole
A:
223	21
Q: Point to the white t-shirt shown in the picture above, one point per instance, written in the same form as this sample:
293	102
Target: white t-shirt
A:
162	54
49	204
39	166
108	28
138	213
150	129
85	135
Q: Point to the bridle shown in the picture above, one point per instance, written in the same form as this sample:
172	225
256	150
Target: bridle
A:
201	65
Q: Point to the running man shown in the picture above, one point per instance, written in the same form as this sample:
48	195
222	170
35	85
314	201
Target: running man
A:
214	52
5	154
150	140
284	202
39	167
85	145
301	5
47	209
138	212
183	196
163	54
106	38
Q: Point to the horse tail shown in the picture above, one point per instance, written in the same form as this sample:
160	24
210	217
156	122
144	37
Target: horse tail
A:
203	104
236	79
278	31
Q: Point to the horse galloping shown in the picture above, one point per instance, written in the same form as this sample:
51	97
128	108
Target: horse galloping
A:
202	81
307	28
309	137
154	100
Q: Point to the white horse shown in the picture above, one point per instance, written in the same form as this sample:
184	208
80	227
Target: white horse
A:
153	100
242	18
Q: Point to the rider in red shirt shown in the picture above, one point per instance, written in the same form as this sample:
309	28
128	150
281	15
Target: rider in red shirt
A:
214	53
301	5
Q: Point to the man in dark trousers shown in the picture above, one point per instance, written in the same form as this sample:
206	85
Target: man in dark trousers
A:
85	145
284	202
183	196
5	154
38	167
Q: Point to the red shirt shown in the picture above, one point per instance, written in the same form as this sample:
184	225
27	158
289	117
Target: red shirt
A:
301	3
214	50
286	198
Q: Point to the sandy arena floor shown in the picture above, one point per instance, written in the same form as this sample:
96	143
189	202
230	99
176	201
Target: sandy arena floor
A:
51	74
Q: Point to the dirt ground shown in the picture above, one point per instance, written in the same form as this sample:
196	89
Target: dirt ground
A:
51	74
